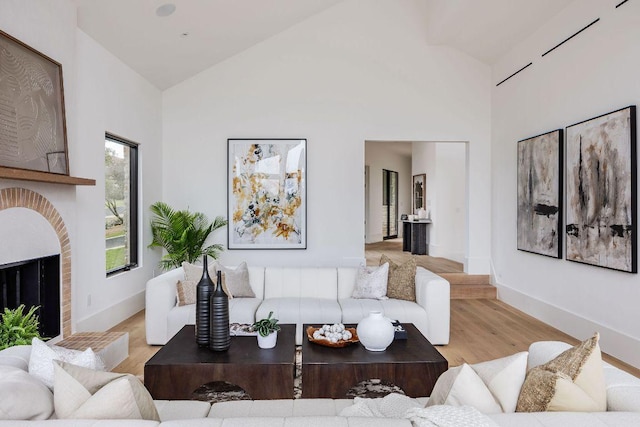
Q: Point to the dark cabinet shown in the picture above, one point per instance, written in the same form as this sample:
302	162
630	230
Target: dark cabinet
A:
415	237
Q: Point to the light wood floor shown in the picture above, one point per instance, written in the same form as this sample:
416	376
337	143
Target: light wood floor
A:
481	329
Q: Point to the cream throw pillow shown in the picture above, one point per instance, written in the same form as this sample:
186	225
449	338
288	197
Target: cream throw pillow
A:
82	393
22	396
461	386
193	273
371	282
186	292
573	381
235	281
490	387
42	356
402	279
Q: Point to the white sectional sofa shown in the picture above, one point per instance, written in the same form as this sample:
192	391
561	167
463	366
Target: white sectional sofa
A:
301	295
623	401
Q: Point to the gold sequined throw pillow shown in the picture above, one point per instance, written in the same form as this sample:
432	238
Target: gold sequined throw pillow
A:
402	279
573	381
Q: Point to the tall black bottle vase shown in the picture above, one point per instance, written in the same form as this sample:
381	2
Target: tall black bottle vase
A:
204	289
219	337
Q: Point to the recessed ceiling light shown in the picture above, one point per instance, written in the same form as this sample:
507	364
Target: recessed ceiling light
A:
185	34
166	9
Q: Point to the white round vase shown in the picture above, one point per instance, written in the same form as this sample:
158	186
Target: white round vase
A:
375	331
269	341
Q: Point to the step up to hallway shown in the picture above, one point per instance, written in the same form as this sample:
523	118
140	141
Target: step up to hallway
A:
470	286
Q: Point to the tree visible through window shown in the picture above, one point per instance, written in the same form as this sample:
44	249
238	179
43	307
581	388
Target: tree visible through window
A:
120	206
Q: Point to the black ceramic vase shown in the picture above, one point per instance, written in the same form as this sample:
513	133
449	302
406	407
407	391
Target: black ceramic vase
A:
219	337
204	289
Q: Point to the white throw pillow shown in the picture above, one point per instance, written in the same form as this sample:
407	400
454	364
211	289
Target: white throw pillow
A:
22	396
504	377
491	387
371	282
89	394
462	386
43	355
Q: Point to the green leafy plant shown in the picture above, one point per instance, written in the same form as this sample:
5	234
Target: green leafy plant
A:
18	328
266	326
183	234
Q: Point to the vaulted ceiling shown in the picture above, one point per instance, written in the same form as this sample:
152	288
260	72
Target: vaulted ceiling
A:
201	33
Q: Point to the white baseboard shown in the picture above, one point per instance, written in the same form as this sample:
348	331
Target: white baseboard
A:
113	315
615	343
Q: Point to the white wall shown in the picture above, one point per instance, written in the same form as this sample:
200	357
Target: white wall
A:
113	98
451	215
101	94
378	156
592	74
445	166
358	71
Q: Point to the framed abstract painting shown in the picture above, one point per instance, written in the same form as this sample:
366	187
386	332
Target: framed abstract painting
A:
601	191
267	194
33	133
540	194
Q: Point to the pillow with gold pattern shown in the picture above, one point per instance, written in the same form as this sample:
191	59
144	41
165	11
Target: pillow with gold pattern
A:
402	279
573	381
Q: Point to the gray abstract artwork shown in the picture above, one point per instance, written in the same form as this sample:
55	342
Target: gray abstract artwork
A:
601	195
540	194
32	130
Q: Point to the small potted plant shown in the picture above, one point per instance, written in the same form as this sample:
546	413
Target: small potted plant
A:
17	327
267	330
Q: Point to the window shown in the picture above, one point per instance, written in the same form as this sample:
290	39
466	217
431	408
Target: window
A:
389	204
121	204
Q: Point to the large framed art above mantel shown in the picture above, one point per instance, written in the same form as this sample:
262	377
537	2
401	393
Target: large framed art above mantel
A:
33	133
601	191
267	193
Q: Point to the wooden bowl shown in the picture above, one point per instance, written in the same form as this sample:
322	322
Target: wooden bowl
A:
327	343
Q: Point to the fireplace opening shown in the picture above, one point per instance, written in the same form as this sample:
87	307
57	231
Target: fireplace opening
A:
34	282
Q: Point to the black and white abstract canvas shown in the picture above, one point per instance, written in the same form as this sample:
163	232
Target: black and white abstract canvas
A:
540	194
601	193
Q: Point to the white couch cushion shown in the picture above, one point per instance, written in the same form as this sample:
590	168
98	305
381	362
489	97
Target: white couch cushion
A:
181	409
22	396
282	282
567	419
17	356
279	408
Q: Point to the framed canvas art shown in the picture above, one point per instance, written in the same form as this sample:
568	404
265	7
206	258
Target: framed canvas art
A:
419	192
267	206
33	132
601	191
540	194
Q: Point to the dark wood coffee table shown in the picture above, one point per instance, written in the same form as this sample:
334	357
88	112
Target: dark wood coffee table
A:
180	367
412	364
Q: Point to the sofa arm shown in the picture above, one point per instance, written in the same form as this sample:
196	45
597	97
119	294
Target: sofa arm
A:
432	293
160	299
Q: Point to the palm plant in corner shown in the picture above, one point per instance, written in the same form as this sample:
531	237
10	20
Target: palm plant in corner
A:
183	235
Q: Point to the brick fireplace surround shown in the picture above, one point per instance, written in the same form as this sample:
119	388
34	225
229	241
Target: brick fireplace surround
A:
25	198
